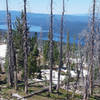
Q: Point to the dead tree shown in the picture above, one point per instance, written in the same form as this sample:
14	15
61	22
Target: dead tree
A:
86	57
37	92
68	62
12	55
11	52
9	68
92	47
15	69
10	49
51	45
79	68
61	51
25	47
81	61
97	42
98	52
86	92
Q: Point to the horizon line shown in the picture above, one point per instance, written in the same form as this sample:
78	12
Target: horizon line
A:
82	14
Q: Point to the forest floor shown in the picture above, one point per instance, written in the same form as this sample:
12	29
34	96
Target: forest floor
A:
6	93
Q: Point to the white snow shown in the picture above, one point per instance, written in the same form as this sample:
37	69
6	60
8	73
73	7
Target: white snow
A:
73	74
64	70
74	60
34	80
85	72
46	74
85	64
3	50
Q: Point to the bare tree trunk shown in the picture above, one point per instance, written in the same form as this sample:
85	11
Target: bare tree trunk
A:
69	74
79	69
15	70
68	63
10	49
12	56
9	69
86	92
92	48
11	60
51	46
86	79
61	51
98	54
25	49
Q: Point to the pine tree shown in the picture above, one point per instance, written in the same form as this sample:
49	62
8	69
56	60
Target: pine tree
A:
33	55
32	62
18	41
46	51
55	53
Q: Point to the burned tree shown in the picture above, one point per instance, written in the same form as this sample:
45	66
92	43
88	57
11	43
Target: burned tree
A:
68	63
15	68
11	66
92	47
98	53
89	53
61	51
51	45
25	47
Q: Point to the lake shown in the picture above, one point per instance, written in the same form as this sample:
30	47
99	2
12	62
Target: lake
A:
41	33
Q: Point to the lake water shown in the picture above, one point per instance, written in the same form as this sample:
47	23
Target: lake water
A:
41	33
3	27
32	28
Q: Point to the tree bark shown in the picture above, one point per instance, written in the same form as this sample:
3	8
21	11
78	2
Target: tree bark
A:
15	70
9	75
61	51
92	48
51	46
86	92
25	49
10	49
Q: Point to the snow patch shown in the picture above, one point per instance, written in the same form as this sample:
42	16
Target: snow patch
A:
3	50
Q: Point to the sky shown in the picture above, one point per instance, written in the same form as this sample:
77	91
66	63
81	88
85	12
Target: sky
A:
43	6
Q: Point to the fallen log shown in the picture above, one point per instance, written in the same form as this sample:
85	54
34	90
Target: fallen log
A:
96	85
17	96
31	83
97	96
3	87
38	92
38	82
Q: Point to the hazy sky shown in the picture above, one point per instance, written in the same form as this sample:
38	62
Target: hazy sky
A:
43	6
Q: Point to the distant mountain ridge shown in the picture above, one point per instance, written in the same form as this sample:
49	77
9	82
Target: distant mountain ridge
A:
72	23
